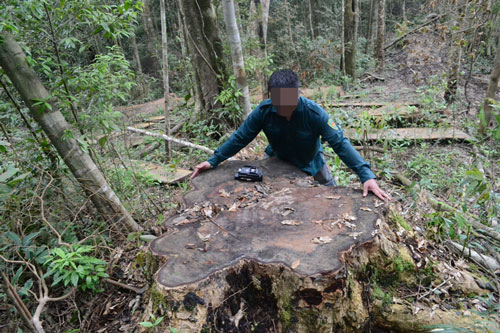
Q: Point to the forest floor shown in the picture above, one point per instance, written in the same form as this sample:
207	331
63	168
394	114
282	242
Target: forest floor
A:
414	74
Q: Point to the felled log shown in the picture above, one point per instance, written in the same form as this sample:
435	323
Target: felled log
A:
280	255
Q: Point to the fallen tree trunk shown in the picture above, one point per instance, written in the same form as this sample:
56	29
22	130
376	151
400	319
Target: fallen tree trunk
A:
484	260
170	138
442	206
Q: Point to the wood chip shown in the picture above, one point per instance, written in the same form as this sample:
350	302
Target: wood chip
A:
291	222
207	211
332	197
349	217
234	207
322	240
224	194
350	225
190	246
295	264
203	237
354	235
366	209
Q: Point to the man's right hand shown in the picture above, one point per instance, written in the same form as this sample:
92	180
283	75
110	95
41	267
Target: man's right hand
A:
201	167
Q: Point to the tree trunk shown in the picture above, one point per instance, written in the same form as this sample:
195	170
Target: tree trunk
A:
316	18
14	63
259	14
237	13
491	92
454	62
289	25
404	10
380	34
372	27
351	20
154	59
164	53
236	54
310	16
206	52
136	53
342	35
182	37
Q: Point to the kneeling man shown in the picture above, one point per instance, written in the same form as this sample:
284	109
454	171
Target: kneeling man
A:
293	126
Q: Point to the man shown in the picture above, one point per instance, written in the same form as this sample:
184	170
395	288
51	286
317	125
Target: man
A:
293	126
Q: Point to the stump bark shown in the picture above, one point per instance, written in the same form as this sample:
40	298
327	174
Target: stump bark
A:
282	255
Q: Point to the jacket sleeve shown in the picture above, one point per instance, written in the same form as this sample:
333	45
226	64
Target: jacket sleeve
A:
332	133
239	139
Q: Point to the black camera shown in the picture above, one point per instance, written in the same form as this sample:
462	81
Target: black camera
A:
249	173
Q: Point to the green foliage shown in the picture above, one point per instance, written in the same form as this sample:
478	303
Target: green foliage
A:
229	97
73	266
125	181
342	174
478	187
10	177
431	99
495	110
445	224
385	297
152	324
432	171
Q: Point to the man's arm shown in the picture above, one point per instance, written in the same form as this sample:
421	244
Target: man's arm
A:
238	140
332	133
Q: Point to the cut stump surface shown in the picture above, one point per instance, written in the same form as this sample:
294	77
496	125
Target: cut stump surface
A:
276	221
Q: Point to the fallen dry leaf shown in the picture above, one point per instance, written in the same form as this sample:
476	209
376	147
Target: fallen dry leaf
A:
291	222
224	194
295	264
185	221
366	209
322	240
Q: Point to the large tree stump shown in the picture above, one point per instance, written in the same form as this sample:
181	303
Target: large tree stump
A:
281	255
270	253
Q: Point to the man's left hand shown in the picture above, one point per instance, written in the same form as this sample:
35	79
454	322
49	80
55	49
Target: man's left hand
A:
371	185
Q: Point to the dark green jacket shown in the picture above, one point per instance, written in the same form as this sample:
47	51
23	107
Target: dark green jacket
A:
296	141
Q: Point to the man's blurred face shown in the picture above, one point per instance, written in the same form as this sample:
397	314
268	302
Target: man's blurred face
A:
285	100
